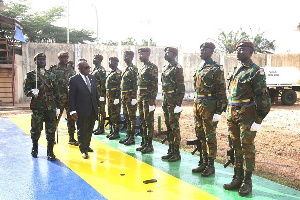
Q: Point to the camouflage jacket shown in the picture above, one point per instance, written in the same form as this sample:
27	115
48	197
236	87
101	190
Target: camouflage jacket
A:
129	81
113	84
46	97
248	81
209	83
100	76
62	77
173	82
148	82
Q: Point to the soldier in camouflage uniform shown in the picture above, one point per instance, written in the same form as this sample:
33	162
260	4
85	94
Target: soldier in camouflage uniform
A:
129	102
248	104
63	71
113	93
173	92
42	104
147	91
100	75
210	102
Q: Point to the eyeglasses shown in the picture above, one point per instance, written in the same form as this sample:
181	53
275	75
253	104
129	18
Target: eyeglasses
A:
86	67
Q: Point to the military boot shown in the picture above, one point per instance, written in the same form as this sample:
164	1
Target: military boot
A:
50	154
237	180
169	154
143	144
100	130
35	147
149	147
202	164
175	155
246	186
111	131
116	133
209	169
72	141
126	138
130	140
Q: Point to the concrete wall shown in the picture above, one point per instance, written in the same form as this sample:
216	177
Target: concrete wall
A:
19	79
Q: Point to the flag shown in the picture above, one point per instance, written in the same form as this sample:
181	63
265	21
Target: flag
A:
19	34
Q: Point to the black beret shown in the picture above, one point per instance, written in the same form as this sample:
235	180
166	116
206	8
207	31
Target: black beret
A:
114	58
98	56
245	44
172	49
209	45
129	53
62	54
39	55
144	50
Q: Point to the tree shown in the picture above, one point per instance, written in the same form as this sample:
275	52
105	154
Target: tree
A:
110	43
145	42
38	26
228	41
129	41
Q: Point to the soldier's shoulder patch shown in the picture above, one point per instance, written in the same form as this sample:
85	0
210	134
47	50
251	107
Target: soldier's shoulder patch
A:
179	66
221	68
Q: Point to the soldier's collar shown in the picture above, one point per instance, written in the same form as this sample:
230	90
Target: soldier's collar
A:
246	64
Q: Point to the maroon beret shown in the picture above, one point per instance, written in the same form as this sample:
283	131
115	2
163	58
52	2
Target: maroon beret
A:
209	45
148	50
129	53
62	54
114	58
245	44
98	56
172	49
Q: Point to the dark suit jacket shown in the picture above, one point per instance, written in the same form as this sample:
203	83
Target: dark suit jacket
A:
81	99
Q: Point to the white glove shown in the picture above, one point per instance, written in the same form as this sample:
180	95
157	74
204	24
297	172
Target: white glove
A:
116	101
133	102
35	92
101	99
177	109
57	112
151	108
217	117
255	127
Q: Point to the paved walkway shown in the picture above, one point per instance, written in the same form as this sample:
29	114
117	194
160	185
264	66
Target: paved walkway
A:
113	171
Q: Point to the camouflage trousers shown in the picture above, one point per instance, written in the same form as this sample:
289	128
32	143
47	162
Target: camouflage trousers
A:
70	121
172	123
205	128
101	113
37	119
114	113
129	112
239	121
146	118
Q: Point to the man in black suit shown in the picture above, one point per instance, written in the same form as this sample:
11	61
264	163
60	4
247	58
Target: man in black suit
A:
83	105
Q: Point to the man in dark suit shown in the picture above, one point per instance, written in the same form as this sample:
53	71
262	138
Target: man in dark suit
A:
83	105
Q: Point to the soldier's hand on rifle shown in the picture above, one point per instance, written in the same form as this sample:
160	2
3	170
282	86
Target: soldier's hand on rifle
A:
217	117
116	101
177	109
35	92
133	102
255	127
101	98
151	108
57	112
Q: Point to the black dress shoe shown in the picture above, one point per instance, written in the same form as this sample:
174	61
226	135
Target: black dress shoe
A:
90	149
85	155
72	141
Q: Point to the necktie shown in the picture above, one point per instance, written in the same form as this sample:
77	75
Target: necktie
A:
88	83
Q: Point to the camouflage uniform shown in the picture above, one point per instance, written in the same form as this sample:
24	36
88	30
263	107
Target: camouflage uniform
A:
43	107
248	102
147	91
113	91
100	75
129	92
173	92
62	77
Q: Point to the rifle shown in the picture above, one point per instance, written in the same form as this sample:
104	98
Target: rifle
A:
230	154
198	143
165	133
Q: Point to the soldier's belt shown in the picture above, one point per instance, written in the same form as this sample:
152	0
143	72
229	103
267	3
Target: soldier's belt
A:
168	92
143	88
111	89
126	91
238	102
204	96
